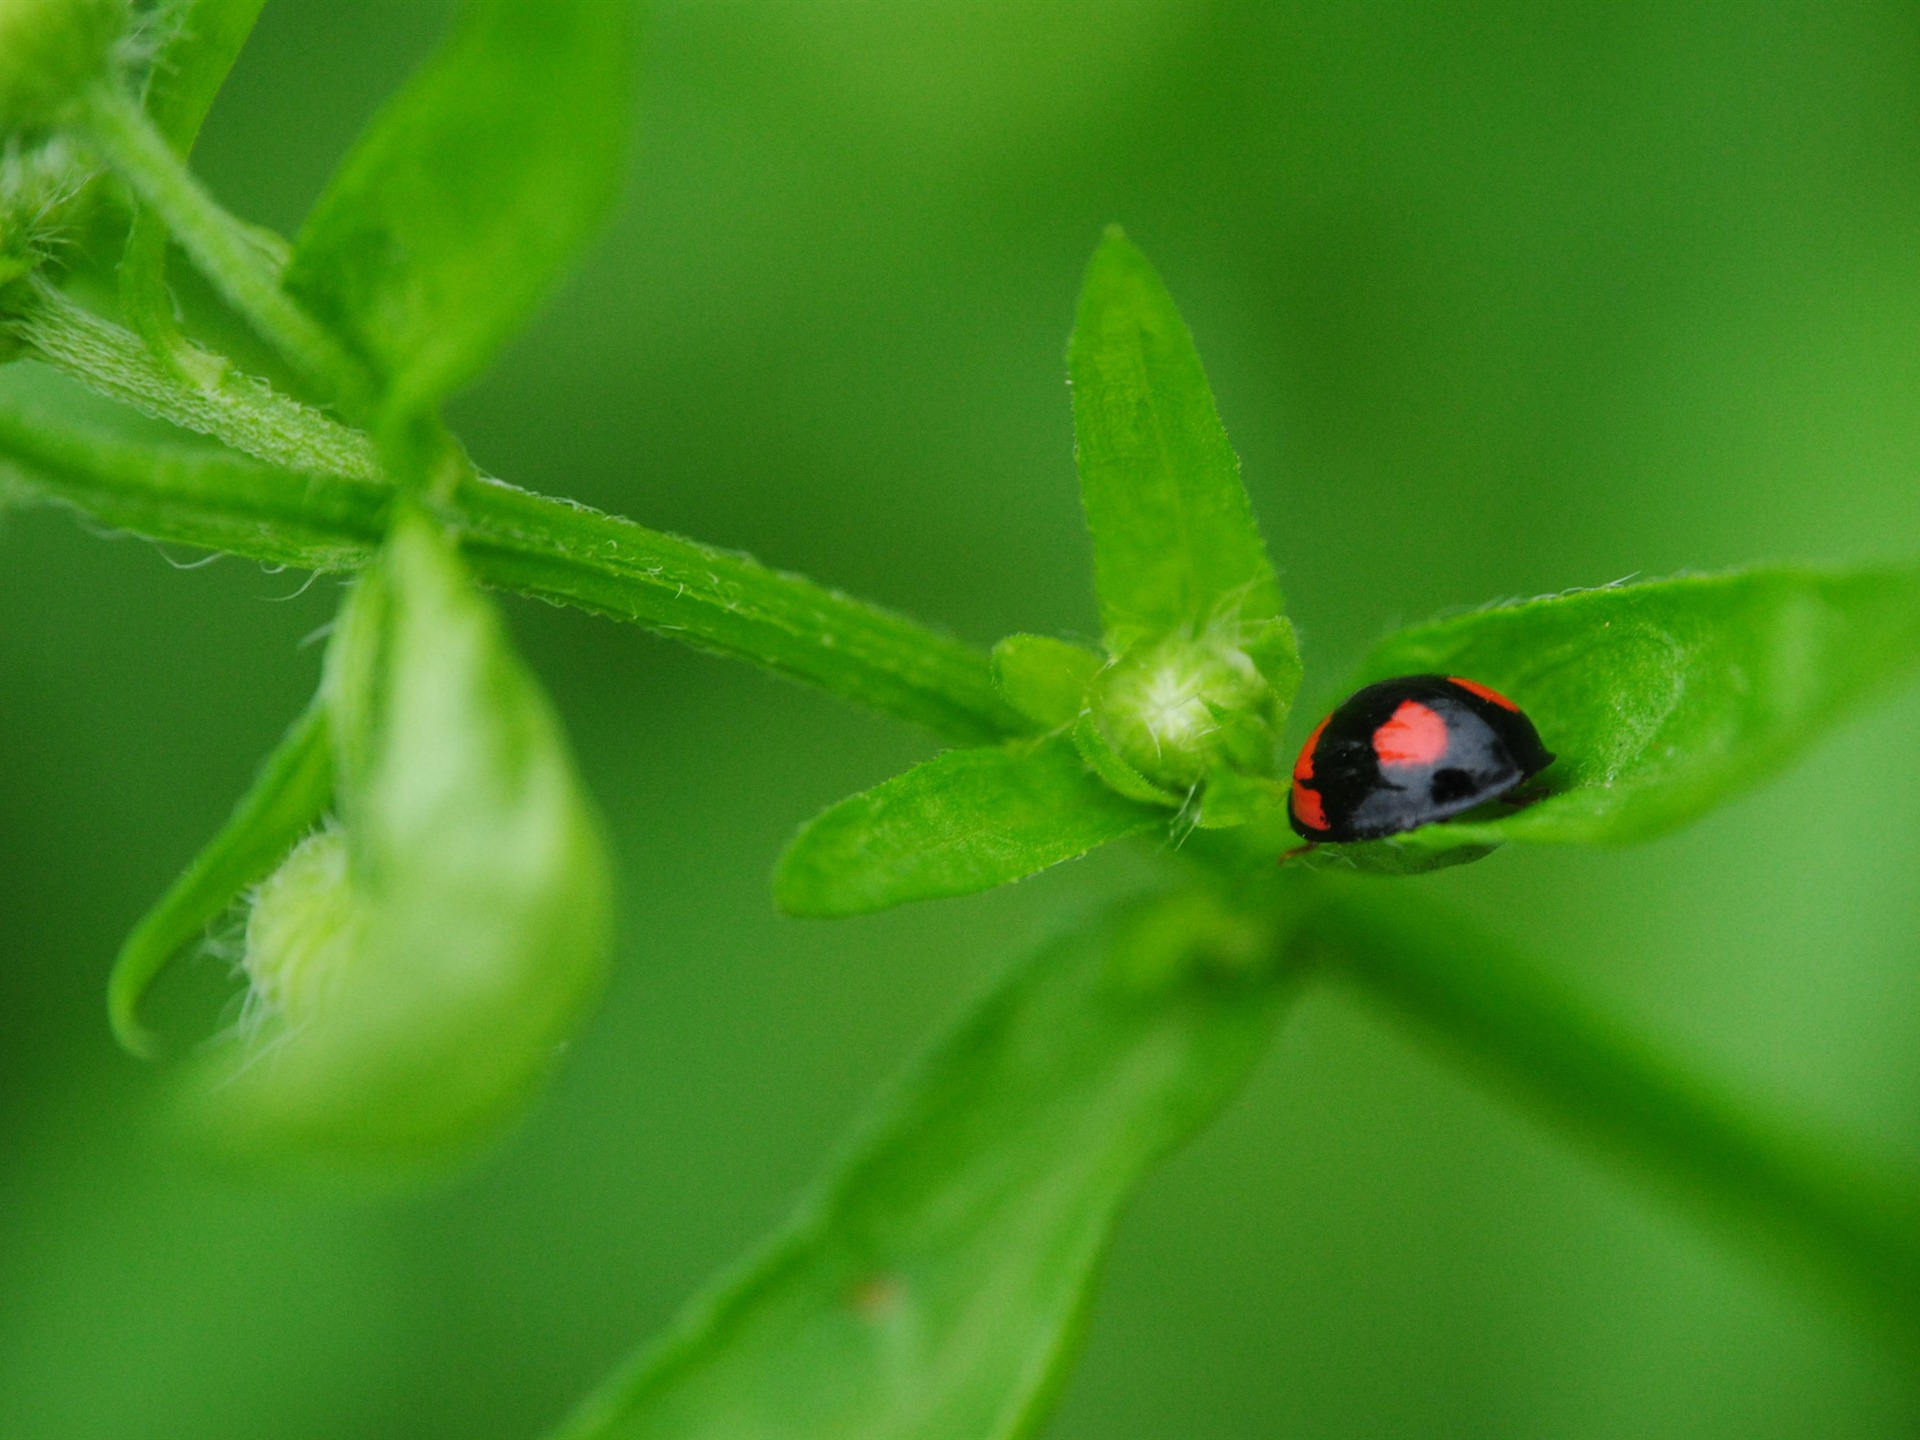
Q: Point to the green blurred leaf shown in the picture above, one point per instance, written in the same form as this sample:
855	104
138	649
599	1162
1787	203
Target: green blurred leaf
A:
1771	1175
1045	679
202	40
416	972
933	1287
1664	699
471	191
966	820
1175	543
287	799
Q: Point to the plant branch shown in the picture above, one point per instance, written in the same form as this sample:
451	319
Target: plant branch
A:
199	391
226	252
714	600
1859	1227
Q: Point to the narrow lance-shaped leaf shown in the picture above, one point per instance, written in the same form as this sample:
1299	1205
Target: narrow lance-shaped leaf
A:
415	969
1666	698
468	194
1174	539
202	39
291	793
966	820
932	1288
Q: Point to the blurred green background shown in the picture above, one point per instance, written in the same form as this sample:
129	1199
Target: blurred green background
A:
1497	298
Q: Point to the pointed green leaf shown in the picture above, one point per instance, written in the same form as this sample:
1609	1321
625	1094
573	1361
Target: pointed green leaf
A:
1045	679
1174	539
966	820
288	798
471	191
202	40
1664	699
935	1283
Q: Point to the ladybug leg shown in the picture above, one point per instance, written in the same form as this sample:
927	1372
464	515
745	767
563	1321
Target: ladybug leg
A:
1520	799
1298	850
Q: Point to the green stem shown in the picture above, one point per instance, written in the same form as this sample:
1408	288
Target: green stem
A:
1859	1227
198	390
712	599
220	245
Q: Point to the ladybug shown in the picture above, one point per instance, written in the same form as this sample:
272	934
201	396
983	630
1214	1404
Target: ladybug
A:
1408	752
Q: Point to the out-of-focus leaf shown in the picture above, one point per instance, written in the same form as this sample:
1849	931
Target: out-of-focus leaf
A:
470	192
440	952
1175	543
1664	699
1773	1179
287	799
202	40
932	1288
1045	679
966	820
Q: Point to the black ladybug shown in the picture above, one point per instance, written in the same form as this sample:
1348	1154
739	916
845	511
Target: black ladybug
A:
1407	752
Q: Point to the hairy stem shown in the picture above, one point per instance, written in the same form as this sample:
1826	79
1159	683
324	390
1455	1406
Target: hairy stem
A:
1859	1228
198	391
715	600
226	253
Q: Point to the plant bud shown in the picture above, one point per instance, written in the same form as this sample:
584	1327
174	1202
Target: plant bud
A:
1182	708
416	970
50	51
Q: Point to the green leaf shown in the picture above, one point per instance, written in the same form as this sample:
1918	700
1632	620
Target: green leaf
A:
203	39
287	799
1500	1013
471	191
416	970
1175	543
1664	699
1045	679
934	1285
966	820
712	599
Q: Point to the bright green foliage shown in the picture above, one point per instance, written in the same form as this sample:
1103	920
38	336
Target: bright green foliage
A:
469	193
50	51
1861	1224
1664	699
932	1288
1174	541
963	821
292	791
1045	679
416	972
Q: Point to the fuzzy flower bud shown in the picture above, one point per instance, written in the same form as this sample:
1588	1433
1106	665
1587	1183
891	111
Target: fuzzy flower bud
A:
415	968
1184	708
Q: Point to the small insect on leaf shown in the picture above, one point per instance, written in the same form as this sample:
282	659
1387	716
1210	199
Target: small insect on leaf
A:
1662	699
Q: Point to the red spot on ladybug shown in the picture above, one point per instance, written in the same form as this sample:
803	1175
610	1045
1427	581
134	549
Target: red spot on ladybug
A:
1410	752
1485	692
1414	735
1303	767
1305	807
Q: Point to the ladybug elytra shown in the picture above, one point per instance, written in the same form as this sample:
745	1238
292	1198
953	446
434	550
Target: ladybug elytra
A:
1407	752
